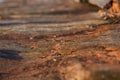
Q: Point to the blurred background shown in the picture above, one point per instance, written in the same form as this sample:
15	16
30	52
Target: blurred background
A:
14	9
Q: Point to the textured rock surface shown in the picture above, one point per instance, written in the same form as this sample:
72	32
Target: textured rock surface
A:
65	41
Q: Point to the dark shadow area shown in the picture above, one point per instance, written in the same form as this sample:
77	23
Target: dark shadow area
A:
2	75
73	12
10	54
30	22
63	12
86	8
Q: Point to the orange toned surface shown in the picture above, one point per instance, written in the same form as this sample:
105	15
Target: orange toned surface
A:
44	50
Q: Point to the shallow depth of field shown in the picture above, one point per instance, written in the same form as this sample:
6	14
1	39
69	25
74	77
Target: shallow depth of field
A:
57	40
